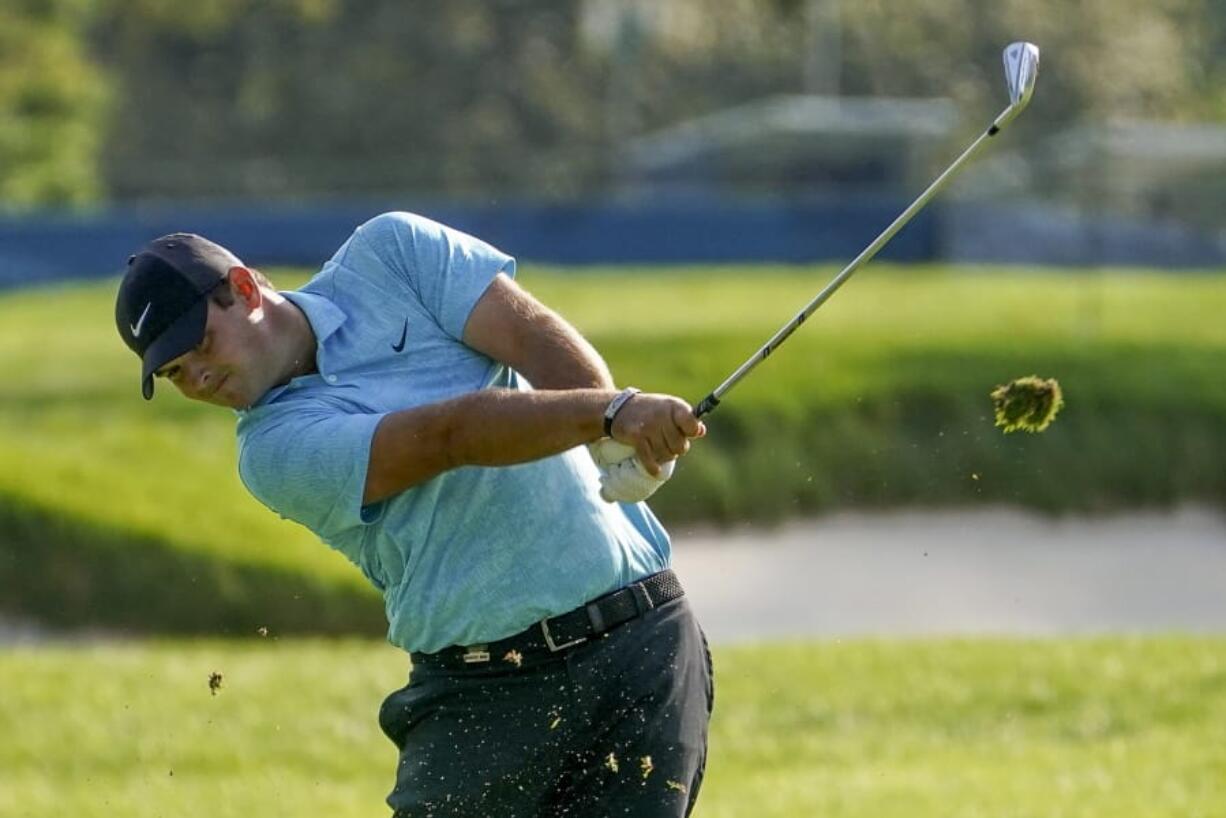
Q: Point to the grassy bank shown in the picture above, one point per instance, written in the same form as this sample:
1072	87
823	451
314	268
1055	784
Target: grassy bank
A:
1106	727
881	399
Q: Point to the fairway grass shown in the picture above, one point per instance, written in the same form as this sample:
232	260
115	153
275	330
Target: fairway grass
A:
1111	727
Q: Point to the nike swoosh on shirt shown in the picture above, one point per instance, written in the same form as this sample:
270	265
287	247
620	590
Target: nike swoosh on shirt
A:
404	333
140	322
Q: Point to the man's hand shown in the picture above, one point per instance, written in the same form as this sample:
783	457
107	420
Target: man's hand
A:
647	440
623	477
658	428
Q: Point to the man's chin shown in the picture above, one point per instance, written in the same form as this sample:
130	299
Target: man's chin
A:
230	399
231	394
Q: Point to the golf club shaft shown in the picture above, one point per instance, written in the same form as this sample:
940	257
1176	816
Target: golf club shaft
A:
712	400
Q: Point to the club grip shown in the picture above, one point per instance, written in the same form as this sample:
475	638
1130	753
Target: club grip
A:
706	405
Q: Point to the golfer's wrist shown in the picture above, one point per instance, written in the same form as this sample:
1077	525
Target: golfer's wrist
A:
614	407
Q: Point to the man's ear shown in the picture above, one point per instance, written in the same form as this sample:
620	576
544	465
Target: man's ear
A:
245	288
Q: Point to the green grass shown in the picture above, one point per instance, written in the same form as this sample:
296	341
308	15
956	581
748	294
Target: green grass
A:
1110	727
881	399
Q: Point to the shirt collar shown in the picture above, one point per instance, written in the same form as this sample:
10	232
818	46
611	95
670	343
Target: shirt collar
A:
325	317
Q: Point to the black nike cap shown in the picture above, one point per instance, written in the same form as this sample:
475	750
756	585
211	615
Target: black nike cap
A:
162	306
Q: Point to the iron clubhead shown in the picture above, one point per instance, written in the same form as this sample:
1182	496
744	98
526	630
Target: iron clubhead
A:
1021	69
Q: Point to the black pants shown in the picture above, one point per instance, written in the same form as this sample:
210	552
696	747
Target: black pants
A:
614	726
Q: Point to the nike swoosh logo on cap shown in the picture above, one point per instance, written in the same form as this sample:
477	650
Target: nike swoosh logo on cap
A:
140	322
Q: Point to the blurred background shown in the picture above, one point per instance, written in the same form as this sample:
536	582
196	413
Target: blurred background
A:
914	613
612	130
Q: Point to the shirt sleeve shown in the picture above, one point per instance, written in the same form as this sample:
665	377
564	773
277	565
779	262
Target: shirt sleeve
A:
448	270
310	466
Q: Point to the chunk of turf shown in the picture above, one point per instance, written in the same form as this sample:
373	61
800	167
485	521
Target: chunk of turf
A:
1027	404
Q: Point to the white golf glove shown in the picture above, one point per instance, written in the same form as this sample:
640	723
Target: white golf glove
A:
623	477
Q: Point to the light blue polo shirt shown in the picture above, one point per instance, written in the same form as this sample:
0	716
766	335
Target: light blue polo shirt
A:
475	554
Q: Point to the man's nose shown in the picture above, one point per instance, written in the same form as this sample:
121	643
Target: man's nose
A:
199	377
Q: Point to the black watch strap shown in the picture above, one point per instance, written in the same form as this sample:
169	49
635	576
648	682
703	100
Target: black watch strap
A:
615	406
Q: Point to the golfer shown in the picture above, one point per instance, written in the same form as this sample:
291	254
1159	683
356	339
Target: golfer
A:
427	417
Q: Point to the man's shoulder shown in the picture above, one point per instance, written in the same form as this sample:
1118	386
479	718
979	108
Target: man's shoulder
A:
375	249
393	229
365	258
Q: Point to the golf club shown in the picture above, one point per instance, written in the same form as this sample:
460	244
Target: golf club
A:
1021	69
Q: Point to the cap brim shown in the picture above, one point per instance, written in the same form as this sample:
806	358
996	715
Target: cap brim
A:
179	338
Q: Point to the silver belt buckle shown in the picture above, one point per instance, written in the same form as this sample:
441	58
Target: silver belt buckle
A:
475	654
553	646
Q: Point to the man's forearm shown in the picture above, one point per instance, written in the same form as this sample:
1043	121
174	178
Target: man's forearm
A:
493	427
500	427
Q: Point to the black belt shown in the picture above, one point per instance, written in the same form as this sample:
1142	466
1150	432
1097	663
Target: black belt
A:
550	636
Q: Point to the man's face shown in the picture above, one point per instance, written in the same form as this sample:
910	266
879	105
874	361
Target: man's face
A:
226	368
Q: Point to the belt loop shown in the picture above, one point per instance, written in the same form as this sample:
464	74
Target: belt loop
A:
642	599
595	617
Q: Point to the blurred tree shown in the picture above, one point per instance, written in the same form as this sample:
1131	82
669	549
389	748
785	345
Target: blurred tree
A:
1101	57
52	104
692	57
287	97
1211	60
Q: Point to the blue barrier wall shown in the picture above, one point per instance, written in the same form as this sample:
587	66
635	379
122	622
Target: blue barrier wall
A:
49	247
1047	235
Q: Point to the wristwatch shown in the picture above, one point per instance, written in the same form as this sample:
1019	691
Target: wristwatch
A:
615	406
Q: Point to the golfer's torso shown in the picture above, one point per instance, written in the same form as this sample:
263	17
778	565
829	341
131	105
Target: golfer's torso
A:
475	554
